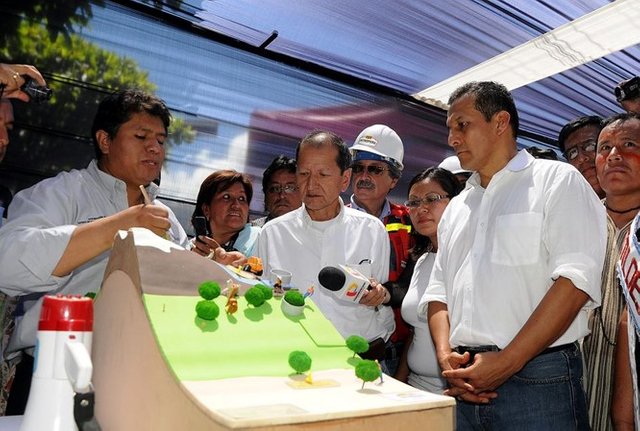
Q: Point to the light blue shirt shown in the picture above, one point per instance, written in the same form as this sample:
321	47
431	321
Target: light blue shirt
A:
386	208
247	239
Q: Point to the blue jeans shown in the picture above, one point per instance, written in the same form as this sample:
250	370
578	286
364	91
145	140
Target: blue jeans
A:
546	394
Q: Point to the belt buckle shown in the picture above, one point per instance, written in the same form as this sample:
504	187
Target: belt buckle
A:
474	350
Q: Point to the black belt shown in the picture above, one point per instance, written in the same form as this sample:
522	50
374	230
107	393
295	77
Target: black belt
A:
473	350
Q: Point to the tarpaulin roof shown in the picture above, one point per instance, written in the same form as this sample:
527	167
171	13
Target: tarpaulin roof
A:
412	45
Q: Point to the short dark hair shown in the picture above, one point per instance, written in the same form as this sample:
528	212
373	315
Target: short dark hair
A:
578	123
280	163
117	108
542	153
490	98
621	117
343	159
449	183
220	181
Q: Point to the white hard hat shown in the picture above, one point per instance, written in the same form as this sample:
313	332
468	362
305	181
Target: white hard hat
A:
382	141
452	164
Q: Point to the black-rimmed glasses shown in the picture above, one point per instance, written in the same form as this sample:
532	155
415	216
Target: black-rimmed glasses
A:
587	147
276	190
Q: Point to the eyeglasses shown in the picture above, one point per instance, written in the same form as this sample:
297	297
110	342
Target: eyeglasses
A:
371	169
276	190
587	147
428	200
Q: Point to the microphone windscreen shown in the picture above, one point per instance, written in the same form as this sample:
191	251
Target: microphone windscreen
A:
332	278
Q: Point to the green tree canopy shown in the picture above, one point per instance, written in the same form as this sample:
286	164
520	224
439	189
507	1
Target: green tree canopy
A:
56	134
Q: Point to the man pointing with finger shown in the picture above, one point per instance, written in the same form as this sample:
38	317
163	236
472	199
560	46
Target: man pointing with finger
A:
60	231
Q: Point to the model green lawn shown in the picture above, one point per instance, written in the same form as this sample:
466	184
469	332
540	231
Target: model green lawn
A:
251	342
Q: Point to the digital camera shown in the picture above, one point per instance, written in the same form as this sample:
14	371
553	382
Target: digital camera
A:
628	89
37	93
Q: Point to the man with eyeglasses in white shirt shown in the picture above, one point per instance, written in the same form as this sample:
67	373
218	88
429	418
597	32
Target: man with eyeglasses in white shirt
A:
281	194
577	141
377	166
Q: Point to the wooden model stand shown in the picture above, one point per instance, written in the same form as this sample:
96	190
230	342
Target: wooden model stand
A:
138	389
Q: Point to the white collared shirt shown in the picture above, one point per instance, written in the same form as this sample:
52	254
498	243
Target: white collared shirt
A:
501	248
296	243
41	221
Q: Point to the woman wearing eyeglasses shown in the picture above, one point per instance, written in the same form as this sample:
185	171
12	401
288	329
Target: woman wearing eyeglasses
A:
224	200
429	194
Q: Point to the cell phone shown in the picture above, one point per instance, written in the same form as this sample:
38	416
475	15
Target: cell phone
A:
201	226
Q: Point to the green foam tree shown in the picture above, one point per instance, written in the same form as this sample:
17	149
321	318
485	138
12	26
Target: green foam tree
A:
294	297
266	291
209	289
357	344
367	371
254	296
300	361
207	310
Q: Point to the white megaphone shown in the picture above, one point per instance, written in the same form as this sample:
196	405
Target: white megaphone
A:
62	364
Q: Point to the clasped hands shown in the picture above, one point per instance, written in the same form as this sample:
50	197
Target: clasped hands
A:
475	381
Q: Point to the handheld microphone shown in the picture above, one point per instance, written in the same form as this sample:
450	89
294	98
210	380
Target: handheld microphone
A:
345	283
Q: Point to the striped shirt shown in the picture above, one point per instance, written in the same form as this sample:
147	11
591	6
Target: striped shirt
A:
599	346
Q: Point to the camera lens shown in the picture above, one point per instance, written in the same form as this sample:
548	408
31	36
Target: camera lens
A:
37	93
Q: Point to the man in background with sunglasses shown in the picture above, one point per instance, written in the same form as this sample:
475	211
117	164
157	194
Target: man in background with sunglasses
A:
377	166
577	141
281	193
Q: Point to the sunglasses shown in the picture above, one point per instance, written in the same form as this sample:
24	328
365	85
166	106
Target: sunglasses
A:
371	169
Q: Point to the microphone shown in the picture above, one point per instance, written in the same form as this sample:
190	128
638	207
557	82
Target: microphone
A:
345	283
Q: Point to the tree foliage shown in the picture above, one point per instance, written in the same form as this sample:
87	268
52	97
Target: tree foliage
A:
57	134
58	17
357	344
300	361
367	371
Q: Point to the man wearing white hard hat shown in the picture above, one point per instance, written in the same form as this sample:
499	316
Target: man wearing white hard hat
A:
452	164
377	166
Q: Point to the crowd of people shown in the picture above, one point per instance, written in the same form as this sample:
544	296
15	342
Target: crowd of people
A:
495	282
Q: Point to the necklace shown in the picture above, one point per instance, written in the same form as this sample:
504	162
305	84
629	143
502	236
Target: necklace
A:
621	212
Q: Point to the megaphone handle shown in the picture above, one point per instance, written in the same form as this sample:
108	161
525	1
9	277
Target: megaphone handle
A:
83	411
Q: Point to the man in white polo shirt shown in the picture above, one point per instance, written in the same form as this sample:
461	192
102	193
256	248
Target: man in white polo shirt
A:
520	253
323	232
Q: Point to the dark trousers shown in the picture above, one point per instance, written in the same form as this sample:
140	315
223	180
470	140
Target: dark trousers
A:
19	394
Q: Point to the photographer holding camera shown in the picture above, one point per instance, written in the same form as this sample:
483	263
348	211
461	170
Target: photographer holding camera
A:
14	76
23	82
628	94
14	79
